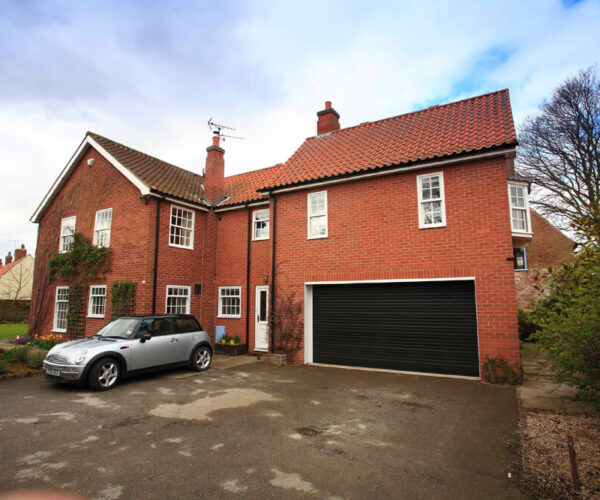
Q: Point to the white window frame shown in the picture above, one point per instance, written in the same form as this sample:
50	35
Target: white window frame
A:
525	189
188	290
55	327
171	226
93	296
255	219
62	248
442	199
311	215
103	230
221	297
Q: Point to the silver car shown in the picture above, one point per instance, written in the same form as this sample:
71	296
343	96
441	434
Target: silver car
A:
127	346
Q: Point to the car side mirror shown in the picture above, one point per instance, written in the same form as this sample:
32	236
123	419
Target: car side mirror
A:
145	337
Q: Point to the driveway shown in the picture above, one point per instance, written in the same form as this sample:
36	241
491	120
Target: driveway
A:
261	431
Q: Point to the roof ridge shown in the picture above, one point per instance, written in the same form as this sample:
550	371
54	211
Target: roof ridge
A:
473	98
90	133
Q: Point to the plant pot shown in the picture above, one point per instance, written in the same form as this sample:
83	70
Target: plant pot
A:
231	350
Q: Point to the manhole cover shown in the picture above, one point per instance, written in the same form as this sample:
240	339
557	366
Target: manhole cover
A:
309	431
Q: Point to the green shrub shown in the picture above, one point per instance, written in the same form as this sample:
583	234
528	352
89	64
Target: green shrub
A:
3	366
19	354
36	360
497	370
527	326
42	344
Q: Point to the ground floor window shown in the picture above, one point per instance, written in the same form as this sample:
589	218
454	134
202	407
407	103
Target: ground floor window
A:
520	257
230	300
97	302
61	309
178	300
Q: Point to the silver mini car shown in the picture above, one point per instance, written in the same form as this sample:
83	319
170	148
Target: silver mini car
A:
127	346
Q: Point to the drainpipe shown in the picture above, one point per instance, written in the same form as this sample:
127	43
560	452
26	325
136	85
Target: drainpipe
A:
248	279
272	318
155	270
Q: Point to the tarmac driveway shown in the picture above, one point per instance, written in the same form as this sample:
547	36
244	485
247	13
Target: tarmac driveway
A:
261	431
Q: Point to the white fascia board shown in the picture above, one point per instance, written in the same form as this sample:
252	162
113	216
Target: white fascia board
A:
239	207
179	202
431	164
81	150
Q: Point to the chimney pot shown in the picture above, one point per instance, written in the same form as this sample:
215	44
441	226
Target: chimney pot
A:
9	258
215	140
327	104
0	262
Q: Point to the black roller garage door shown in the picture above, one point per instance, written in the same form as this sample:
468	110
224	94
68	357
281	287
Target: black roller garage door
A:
415	326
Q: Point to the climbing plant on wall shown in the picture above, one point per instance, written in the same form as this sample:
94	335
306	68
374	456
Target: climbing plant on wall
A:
122	298
83	263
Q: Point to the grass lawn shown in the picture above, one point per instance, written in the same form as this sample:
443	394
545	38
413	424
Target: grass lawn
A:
10	331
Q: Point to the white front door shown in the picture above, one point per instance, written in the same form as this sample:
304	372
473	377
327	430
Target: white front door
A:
261	326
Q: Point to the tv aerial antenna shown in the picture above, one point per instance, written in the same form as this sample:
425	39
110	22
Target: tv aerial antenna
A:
216	128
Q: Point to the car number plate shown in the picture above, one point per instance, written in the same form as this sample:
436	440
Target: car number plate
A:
50	371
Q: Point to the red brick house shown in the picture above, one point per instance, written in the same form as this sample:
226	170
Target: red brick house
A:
549	249
395	237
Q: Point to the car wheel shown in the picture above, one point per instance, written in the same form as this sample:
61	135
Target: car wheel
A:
105	374
201	358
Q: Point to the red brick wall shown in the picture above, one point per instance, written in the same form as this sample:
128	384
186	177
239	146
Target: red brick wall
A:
374	234
89	189
549	249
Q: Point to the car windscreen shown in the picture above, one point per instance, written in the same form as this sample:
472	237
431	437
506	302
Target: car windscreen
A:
119	328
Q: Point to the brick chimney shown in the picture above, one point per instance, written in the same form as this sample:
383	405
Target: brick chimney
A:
214	174
328	119
0	262
20	253
8	259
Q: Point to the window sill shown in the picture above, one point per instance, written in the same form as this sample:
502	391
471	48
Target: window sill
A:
432	226
95	316
317	237
260	239
520	270
180	246
228	316
59	330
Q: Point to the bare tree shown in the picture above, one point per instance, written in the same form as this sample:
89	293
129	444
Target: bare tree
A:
560	152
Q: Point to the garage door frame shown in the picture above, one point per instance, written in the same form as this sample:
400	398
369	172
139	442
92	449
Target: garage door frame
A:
308	318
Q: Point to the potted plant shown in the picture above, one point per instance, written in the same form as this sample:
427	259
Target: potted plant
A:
232	346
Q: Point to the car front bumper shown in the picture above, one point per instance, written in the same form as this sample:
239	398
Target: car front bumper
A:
63	373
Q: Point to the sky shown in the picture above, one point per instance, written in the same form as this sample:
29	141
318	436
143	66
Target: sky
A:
150	75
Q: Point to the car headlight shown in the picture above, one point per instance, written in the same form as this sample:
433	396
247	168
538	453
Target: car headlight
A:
81	357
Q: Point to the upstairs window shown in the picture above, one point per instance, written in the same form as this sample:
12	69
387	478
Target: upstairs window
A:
97	303
181	231
519	211
61	309
230	300
67	230
432	210
178	300
260	224
317	215
102	227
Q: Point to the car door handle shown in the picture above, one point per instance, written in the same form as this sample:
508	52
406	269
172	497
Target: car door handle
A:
174	340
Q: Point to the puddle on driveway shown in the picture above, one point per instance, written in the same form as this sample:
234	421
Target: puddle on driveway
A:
201	408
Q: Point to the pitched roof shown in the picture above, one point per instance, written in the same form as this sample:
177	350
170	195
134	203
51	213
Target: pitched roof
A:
154	173
7	267
244	187
466	126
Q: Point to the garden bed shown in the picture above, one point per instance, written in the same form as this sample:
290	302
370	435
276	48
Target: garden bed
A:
21	362
546	469
231	349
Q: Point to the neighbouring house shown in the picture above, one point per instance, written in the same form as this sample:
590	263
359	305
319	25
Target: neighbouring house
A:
548	249
16	283
394	238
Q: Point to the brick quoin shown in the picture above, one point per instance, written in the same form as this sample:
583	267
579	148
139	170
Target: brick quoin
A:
373	234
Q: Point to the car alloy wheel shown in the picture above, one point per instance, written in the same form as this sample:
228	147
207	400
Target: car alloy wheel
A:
202	358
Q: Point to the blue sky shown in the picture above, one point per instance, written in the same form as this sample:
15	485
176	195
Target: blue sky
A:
150	74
